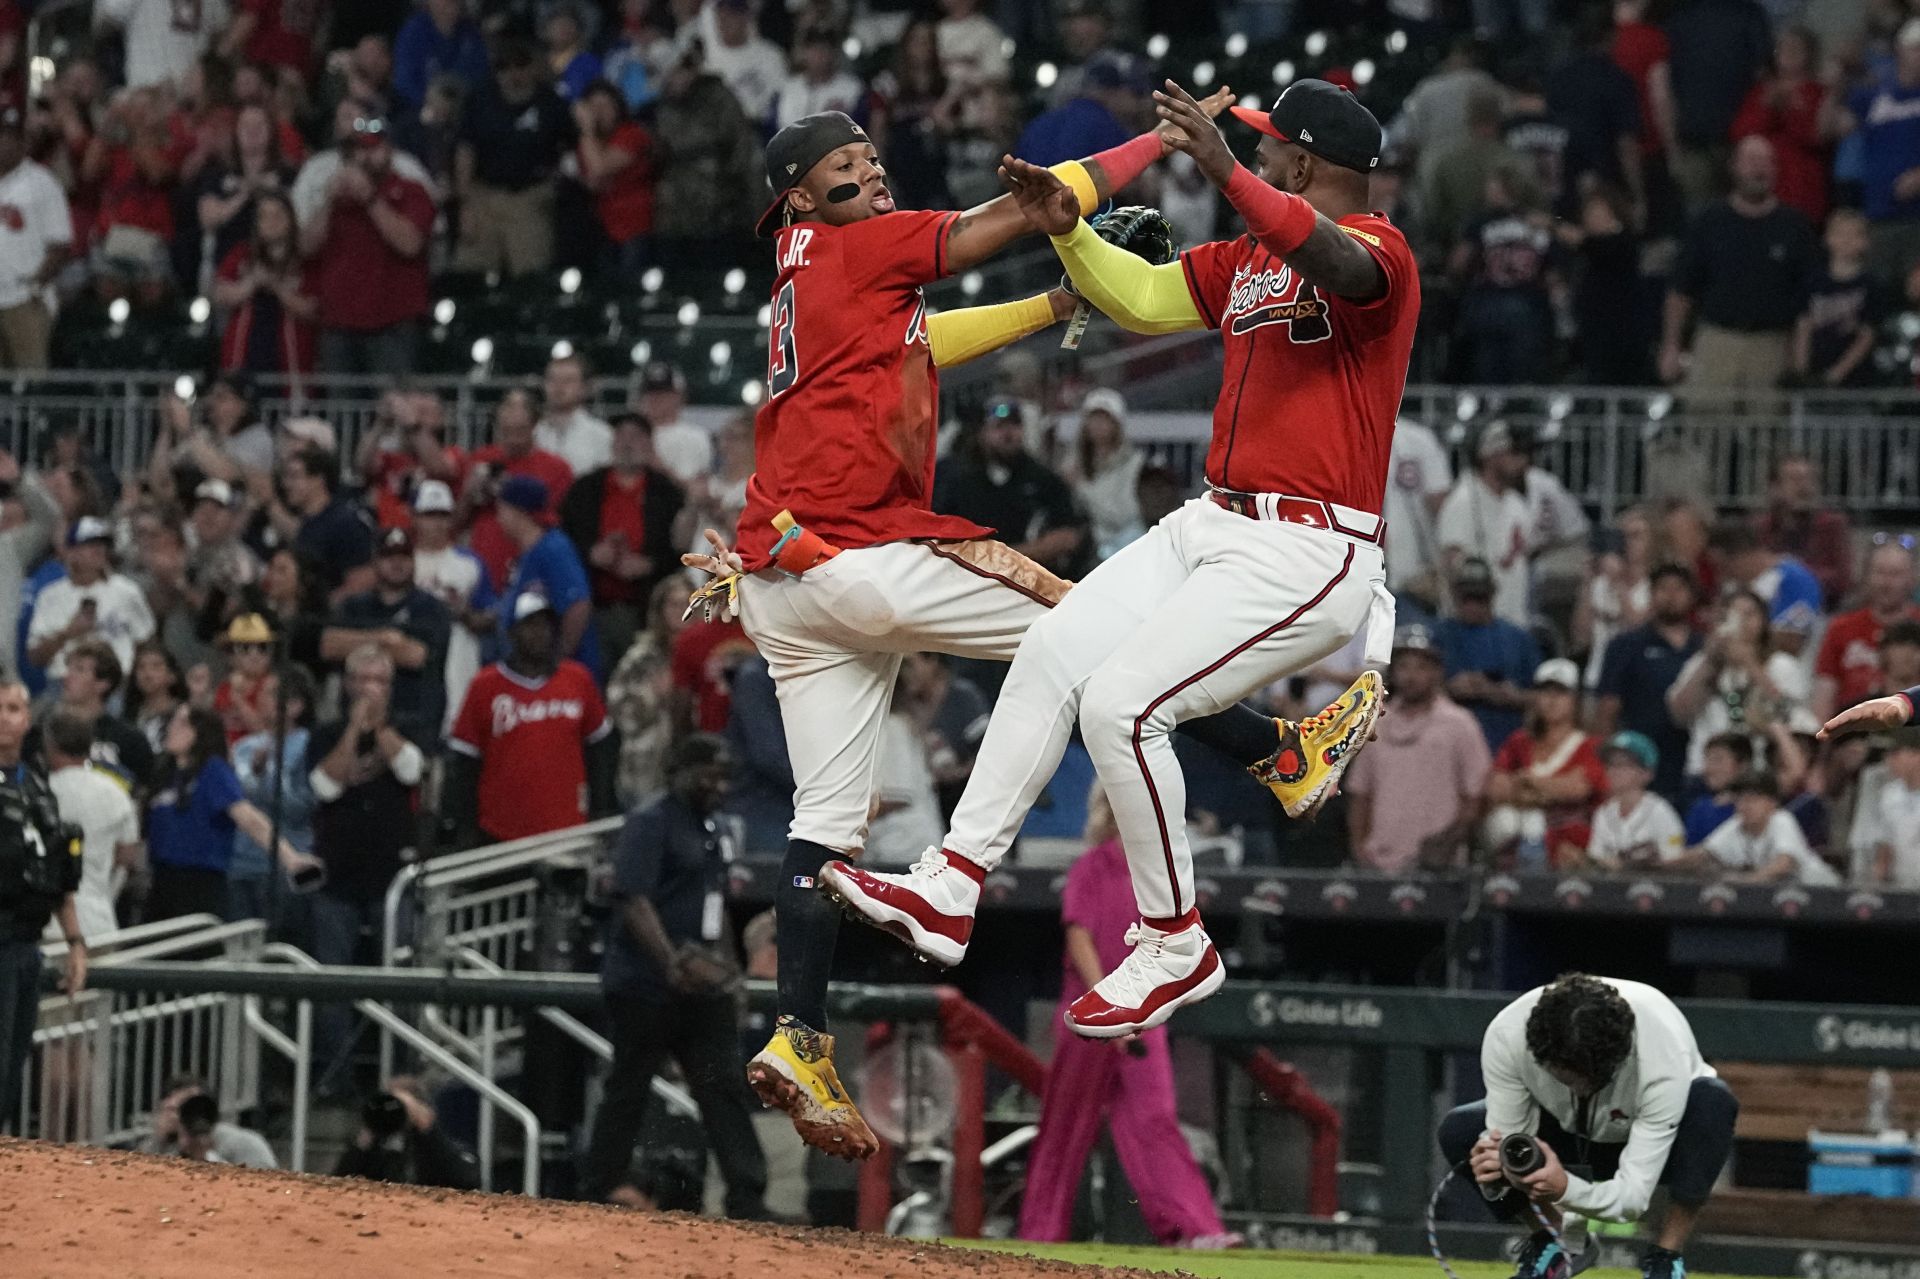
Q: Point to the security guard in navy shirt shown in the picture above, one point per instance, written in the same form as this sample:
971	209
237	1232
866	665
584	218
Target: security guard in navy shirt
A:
39	871
671	978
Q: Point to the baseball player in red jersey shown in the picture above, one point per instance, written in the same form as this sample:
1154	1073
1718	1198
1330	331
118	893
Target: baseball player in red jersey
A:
842	567
1276	567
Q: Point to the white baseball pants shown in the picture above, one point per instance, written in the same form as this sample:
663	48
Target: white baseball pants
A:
1205	609
834	640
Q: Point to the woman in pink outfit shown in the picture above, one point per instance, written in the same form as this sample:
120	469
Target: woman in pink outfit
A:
1125	1083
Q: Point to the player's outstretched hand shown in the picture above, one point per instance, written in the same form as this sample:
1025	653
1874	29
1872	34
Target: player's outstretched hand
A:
1047	203
720	596
1187	126
1213	104
1878	713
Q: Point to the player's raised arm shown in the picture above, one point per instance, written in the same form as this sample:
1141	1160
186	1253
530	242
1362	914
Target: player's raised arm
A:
971	332
1327	166
985	229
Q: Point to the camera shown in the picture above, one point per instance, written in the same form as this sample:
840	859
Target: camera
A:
1520	1155
384	1116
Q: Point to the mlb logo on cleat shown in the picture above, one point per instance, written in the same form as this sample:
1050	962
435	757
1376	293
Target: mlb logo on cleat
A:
803	881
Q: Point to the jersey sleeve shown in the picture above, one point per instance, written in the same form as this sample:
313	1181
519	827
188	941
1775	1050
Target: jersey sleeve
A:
470	726
1209	270
1389	248
903	249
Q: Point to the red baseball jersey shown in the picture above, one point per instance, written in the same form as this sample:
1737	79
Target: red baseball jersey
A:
1312	381
846	438
530	737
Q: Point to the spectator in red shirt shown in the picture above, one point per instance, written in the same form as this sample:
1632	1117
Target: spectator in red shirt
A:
621	519
1547	778
1797	523
1848	667
511	453
704	660
262	286
1785	109
531	750
278	33
369	248
408	447
136	160
616	165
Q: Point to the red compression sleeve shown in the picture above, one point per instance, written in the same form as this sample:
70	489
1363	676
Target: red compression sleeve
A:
1279	221
1124	163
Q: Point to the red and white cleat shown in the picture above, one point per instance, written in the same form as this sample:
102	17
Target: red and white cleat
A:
1165	972
930	907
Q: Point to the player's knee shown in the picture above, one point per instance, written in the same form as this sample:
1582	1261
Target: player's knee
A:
1460	1128
1111	711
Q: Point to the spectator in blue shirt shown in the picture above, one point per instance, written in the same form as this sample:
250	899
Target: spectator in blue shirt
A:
573	64
1789	588
439	39
1728	756
1885	119
192	821
252	887
1108	111
550	567
1490	661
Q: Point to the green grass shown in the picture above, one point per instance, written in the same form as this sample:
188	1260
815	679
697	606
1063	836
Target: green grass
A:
1248	1264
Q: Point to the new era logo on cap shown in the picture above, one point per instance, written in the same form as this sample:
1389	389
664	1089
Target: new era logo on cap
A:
1305	136
791	168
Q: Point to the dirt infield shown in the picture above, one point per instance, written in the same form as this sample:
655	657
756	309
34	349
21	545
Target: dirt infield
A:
77	1211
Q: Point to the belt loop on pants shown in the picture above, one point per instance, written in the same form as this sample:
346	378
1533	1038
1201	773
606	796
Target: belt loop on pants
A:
1361	526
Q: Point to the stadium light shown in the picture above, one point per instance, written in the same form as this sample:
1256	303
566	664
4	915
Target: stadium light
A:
971	283
183	387
1237	45
1157	45
1559	406
641	353
752	393
736	281
1363	72
1396	42
482	350
443	311
562	349
1658	407
688	314
1203	73
721	353
570	281
764	316
1045	74
198	310
1252	102
652	279
1468	406
118	310
1283	72
1316	43
851	47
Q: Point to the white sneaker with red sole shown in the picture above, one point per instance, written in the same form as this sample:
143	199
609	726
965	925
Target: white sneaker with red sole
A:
930	907
1166	971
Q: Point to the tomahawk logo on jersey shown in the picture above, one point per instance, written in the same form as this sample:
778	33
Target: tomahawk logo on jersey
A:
847	436
1341	364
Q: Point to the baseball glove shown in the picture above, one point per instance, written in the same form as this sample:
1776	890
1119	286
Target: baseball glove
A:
1141	231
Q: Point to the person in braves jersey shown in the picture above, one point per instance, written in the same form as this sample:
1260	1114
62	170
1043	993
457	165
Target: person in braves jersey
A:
531	750
1276	567
842	566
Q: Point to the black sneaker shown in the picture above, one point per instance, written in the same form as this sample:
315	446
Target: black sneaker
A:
1544	1257
1663	1263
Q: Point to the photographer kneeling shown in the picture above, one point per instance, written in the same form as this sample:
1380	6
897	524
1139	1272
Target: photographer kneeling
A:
1607	1075
400	1140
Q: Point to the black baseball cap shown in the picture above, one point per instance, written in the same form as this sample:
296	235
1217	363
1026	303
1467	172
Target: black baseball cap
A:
796	149
1324	120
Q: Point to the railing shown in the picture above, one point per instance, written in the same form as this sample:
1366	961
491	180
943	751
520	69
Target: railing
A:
100	1061
1610	446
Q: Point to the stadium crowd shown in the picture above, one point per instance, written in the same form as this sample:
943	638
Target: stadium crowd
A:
1720	192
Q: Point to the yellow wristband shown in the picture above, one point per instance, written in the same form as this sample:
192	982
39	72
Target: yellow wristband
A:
1075	175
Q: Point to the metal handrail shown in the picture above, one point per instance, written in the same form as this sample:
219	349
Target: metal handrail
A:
490	1093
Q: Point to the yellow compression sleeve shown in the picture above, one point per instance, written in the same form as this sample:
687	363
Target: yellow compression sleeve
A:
1138	296
959	336
1075	175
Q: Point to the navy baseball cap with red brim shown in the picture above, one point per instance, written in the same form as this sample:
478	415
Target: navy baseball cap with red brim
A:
1321	119
796	149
